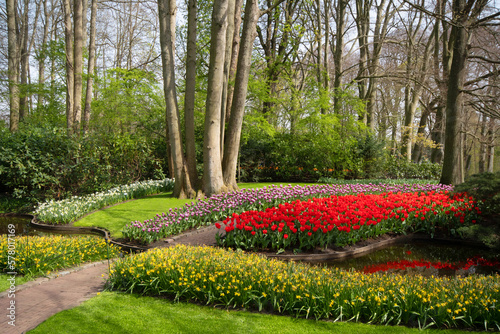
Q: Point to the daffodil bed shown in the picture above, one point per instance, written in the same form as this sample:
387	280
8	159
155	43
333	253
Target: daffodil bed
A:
41	255
235	279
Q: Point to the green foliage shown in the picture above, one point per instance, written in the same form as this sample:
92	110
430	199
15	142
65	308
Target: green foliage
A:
485	188
44	163
131	101
397	167
371	154
316	148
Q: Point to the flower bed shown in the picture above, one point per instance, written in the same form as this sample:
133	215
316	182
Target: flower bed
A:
345	220
219	207
68	210
38	256
236	279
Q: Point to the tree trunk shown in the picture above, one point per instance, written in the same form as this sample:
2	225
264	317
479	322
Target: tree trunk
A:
227	64
167	10
42	59
68	35
437	136
491	146
483	145
451	172
91	67
23	92
190	96
78	73
234	56
416	155
338	55
232	142
13	68
212	164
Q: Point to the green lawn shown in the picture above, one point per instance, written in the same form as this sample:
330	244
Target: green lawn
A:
114	218
5	284
113	312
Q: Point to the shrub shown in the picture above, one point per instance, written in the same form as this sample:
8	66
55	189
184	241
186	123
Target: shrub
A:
44	163
397	167
485	188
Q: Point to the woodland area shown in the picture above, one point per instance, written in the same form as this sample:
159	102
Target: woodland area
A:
208	92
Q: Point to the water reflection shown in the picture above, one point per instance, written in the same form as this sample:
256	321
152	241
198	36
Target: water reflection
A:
21	224
423	259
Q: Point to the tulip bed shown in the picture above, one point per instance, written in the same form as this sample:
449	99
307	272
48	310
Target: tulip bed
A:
219	207
41	255
235	279
345	220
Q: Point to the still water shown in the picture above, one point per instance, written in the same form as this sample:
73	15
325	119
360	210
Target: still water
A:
21	224
424	259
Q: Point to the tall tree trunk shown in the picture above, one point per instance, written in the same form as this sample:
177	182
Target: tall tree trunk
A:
416	155
483	145
339	52
78	73
167	11
227	64
437	135
42	59
451	173
13	68
189	99
91	67
23	92
234	56
68	36
491	145
232	142
465	13
212	164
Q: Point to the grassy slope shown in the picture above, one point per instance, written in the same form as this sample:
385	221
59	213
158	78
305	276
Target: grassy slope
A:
113	312
114	218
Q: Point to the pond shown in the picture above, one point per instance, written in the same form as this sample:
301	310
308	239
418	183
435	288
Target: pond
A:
22	227
425	259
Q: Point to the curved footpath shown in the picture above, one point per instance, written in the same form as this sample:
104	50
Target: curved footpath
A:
34	302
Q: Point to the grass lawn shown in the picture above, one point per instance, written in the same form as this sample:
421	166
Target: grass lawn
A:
114	218
5	284
112	312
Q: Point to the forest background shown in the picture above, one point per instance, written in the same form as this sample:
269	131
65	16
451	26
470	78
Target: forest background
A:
98	93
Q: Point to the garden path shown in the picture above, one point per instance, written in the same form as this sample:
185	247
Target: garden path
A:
38	300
